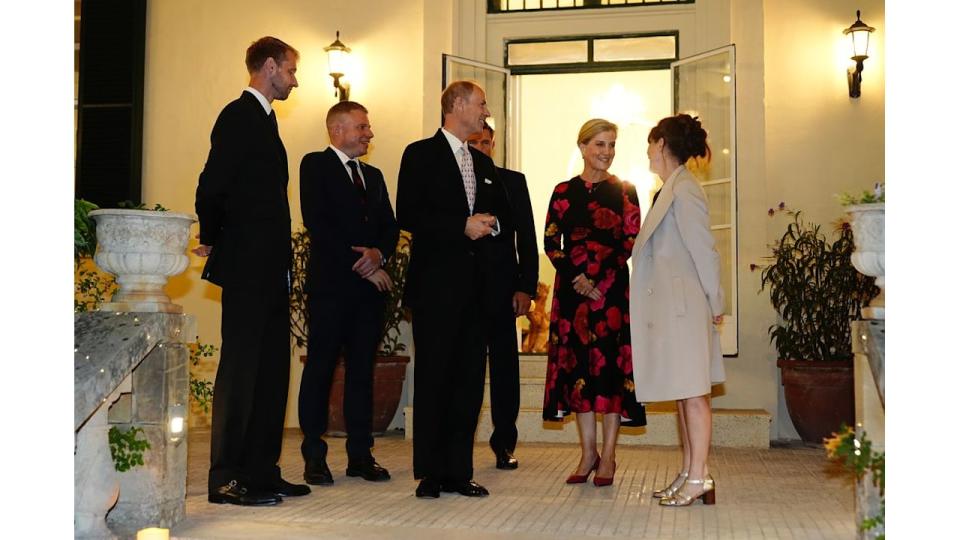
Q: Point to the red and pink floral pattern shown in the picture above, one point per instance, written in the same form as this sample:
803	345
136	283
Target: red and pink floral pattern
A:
590	230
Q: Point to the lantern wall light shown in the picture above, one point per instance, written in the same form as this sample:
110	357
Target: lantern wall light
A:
338	56
859	34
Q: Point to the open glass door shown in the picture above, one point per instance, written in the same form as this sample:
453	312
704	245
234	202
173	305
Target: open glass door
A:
494	81
705	86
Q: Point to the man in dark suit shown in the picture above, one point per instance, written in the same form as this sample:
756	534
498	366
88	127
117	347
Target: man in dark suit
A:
347	212
245	233
450	198
501	340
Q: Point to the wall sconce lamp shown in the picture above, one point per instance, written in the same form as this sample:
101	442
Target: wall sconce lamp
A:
337	57
860	39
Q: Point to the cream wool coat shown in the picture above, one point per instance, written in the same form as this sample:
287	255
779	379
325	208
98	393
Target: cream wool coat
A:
674	293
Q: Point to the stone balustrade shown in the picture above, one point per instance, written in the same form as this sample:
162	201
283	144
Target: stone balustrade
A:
130	370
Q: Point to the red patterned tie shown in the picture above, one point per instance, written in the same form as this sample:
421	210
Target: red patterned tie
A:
355	174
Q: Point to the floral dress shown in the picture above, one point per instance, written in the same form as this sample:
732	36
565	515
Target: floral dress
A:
590	230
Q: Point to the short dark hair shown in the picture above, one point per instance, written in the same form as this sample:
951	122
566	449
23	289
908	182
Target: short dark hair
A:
267	47
343	107
683	135
456	89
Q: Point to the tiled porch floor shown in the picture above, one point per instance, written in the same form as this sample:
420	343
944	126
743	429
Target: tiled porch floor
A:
775	493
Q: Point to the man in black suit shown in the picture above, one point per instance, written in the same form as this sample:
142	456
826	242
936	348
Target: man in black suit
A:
245	233
501	340
450	198
347	212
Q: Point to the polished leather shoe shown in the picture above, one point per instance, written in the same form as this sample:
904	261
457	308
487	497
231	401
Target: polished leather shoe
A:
283	488
369	469
468	488
236	493
505	459
316	473
428	488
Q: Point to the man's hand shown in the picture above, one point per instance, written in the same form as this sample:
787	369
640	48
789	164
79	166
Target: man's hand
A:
584	286
369	261
718	320
202	250
479	225
381	280
521	303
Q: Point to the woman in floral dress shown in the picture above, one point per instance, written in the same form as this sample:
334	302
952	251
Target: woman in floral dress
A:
592	221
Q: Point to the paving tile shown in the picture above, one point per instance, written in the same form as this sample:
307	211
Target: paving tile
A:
784	492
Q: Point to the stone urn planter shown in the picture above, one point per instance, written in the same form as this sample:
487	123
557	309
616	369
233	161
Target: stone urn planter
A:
389	373
142	248
867	222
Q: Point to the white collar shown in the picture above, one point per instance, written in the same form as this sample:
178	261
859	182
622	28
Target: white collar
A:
455	143
343	157
263	101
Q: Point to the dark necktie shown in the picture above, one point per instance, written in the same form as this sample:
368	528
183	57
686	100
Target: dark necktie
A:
357	182
273	121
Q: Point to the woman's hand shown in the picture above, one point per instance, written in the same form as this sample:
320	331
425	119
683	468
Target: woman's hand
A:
584	286
718	320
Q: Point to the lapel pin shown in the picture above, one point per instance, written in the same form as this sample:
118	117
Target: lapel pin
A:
487	181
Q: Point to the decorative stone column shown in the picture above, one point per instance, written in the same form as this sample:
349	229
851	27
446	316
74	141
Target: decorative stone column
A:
868	365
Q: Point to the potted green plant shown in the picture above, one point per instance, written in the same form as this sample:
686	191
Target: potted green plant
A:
816	292
390	367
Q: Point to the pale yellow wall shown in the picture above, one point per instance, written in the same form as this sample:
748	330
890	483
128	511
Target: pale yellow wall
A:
194	66
800	138
819	141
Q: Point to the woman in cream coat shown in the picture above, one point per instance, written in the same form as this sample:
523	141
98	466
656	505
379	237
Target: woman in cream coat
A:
676	303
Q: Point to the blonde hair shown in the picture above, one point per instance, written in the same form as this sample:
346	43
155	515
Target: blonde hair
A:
592	128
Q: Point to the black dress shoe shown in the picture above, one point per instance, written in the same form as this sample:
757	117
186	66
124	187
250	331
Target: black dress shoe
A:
316	473
468	488
505	459
428	488
369	469
283	488
237	493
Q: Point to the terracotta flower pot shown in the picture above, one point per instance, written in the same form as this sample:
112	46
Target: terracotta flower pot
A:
819	396
389	373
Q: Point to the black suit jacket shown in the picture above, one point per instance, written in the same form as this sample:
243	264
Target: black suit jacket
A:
336	220
241	199
527	252
432	205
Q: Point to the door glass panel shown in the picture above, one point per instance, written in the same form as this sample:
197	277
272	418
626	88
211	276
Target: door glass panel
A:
493	80
704	86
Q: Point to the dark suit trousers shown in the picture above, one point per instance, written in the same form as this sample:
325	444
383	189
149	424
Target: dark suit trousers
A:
250	392
448	389
504	378
353	326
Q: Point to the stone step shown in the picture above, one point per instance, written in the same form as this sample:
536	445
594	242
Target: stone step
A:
531	392
737	428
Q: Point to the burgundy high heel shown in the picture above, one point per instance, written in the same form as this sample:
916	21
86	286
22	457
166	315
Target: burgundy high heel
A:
582	478
601	481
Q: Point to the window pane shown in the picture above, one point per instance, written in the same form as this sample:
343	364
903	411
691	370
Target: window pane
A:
642	48
726	267
718	203
554	52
